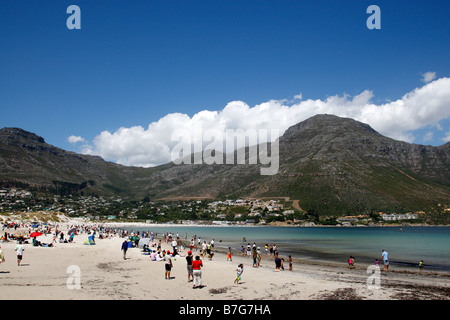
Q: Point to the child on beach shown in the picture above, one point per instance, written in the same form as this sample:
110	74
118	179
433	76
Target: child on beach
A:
351	262
229	254
239	271
290	263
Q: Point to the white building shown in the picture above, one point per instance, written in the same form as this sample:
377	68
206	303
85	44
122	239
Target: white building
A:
395	217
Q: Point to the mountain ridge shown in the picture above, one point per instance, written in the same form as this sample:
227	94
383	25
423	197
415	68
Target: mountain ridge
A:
330	164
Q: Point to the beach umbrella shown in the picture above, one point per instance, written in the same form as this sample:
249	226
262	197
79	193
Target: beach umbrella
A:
35	234
20	234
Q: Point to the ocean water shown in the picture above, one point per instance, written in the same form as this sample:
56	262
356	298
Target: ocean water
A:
406	245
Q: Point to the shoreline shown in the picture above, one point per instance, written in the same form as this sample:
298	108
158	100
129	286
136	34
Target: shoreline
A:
309	256
144	224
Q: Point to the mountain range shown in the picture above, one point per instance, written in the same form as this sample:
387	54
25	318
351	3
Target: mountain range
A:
330	165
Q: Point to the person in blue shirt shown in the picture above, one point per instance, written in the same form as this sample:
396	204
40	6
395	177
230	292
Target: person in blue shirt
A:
125	248
384	255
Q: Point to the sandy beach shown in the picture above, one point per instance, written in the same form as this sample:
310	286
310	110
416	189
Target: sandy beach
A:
51	273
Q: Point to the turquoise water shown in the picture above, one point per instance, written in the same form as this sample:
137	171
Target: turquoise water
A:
405	245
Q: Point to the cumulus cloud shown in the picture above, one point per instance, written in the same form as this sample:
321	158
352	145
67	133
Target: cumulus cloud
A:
447	137
139	146
428	76
75	139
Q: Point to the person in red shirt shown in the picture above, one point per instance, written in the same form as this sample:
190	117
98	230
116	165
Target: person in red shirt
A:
197	265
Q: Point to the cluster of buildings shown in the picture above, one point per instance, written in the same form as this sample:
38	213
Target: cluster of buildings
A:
14	193
13	198
22	200
256	208
241	211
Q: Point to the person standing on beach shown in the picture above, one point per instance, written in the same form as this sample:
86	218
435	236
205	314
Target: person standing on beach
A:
124	249
168	265
384	255
290	263
20	249
197	265
208	249
278	263
258	257
189	266
229	254
174	245
204	249
254	256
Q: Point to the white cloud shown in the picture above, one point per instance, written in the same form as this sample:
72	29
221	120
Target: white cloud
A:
298	96
75	139
422	107
447	137
428	76
428	136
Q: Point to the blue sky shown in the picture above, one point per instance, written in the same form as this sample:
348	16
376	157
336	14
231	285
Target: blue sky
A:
134	62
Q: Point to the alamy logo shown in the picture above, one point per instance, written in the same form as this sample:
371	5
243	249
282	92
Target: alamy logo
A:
213	146
374	280
74	279
74	20
374	21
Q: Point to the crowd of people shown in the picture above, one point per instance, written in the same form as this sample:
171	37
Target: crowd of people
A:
203	250
29	233
154	249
